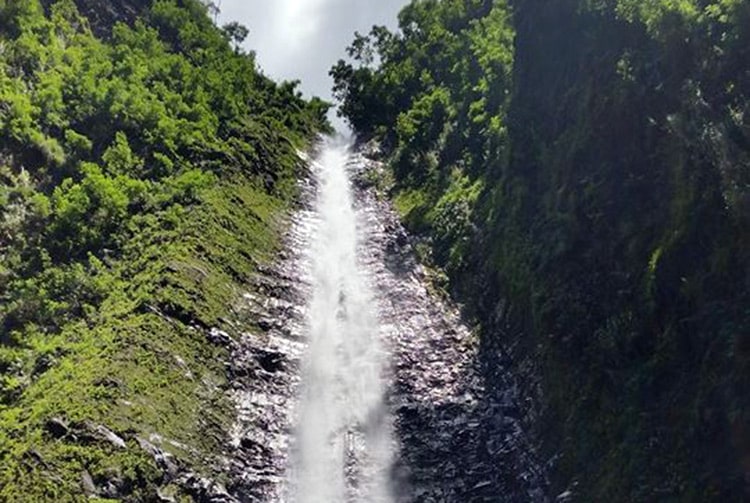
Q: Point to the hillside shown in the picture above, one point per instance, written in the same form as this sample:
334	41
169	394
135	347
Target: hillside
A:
145	169
580	170
574	173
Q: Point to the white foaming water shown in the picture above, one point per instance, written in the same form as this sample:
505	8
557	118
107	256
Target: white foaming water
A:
343	441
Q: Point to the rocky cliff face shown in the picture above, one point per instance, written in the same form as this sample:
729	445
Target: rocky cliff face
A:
460	426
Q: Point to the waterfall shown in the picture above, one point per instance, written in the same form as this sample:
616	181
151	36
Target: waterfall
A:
343	444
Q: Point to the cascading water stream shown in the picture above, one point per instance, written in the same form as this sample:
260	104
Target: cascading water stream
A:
363	383
343	447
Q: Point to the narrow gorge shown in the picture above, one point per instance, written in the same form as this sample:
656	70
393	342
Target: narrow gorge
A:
389	403
520	271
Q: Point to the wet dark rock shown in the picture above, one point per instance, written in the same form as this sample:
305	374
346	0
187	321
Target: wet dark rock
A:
401	238
270	361
267	324
220	338
264	369
163	459
57	427
43	364
458	428
205	490
112	484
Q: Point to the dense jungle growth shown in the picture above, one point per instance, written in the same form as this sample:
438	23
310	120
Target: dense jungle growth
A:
581	170
144	164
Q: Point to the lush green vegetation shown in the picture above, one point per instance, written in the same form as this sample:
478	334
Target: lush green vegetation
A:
582	171
142	176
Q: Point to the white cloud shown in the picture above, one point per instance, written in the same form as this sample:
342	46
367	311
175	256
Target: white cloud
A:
300	22
302	39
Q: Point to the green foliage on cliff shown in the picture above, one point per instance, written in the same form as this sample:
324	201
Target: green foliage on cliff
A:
141	179
609	142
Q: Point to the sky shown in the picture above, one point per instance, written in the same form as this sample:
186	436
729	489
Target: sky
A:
303	39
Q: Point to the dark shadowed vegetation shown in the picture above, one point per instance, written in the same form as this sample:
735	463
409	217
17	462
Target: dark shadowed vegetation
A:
581	170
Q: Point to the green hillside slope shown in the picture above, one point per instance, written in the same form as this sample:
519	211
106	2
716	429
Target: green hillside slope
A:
144	171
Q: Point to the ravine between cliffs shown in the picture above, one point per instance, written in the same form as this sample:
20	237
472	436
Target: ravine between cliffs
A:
452	435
